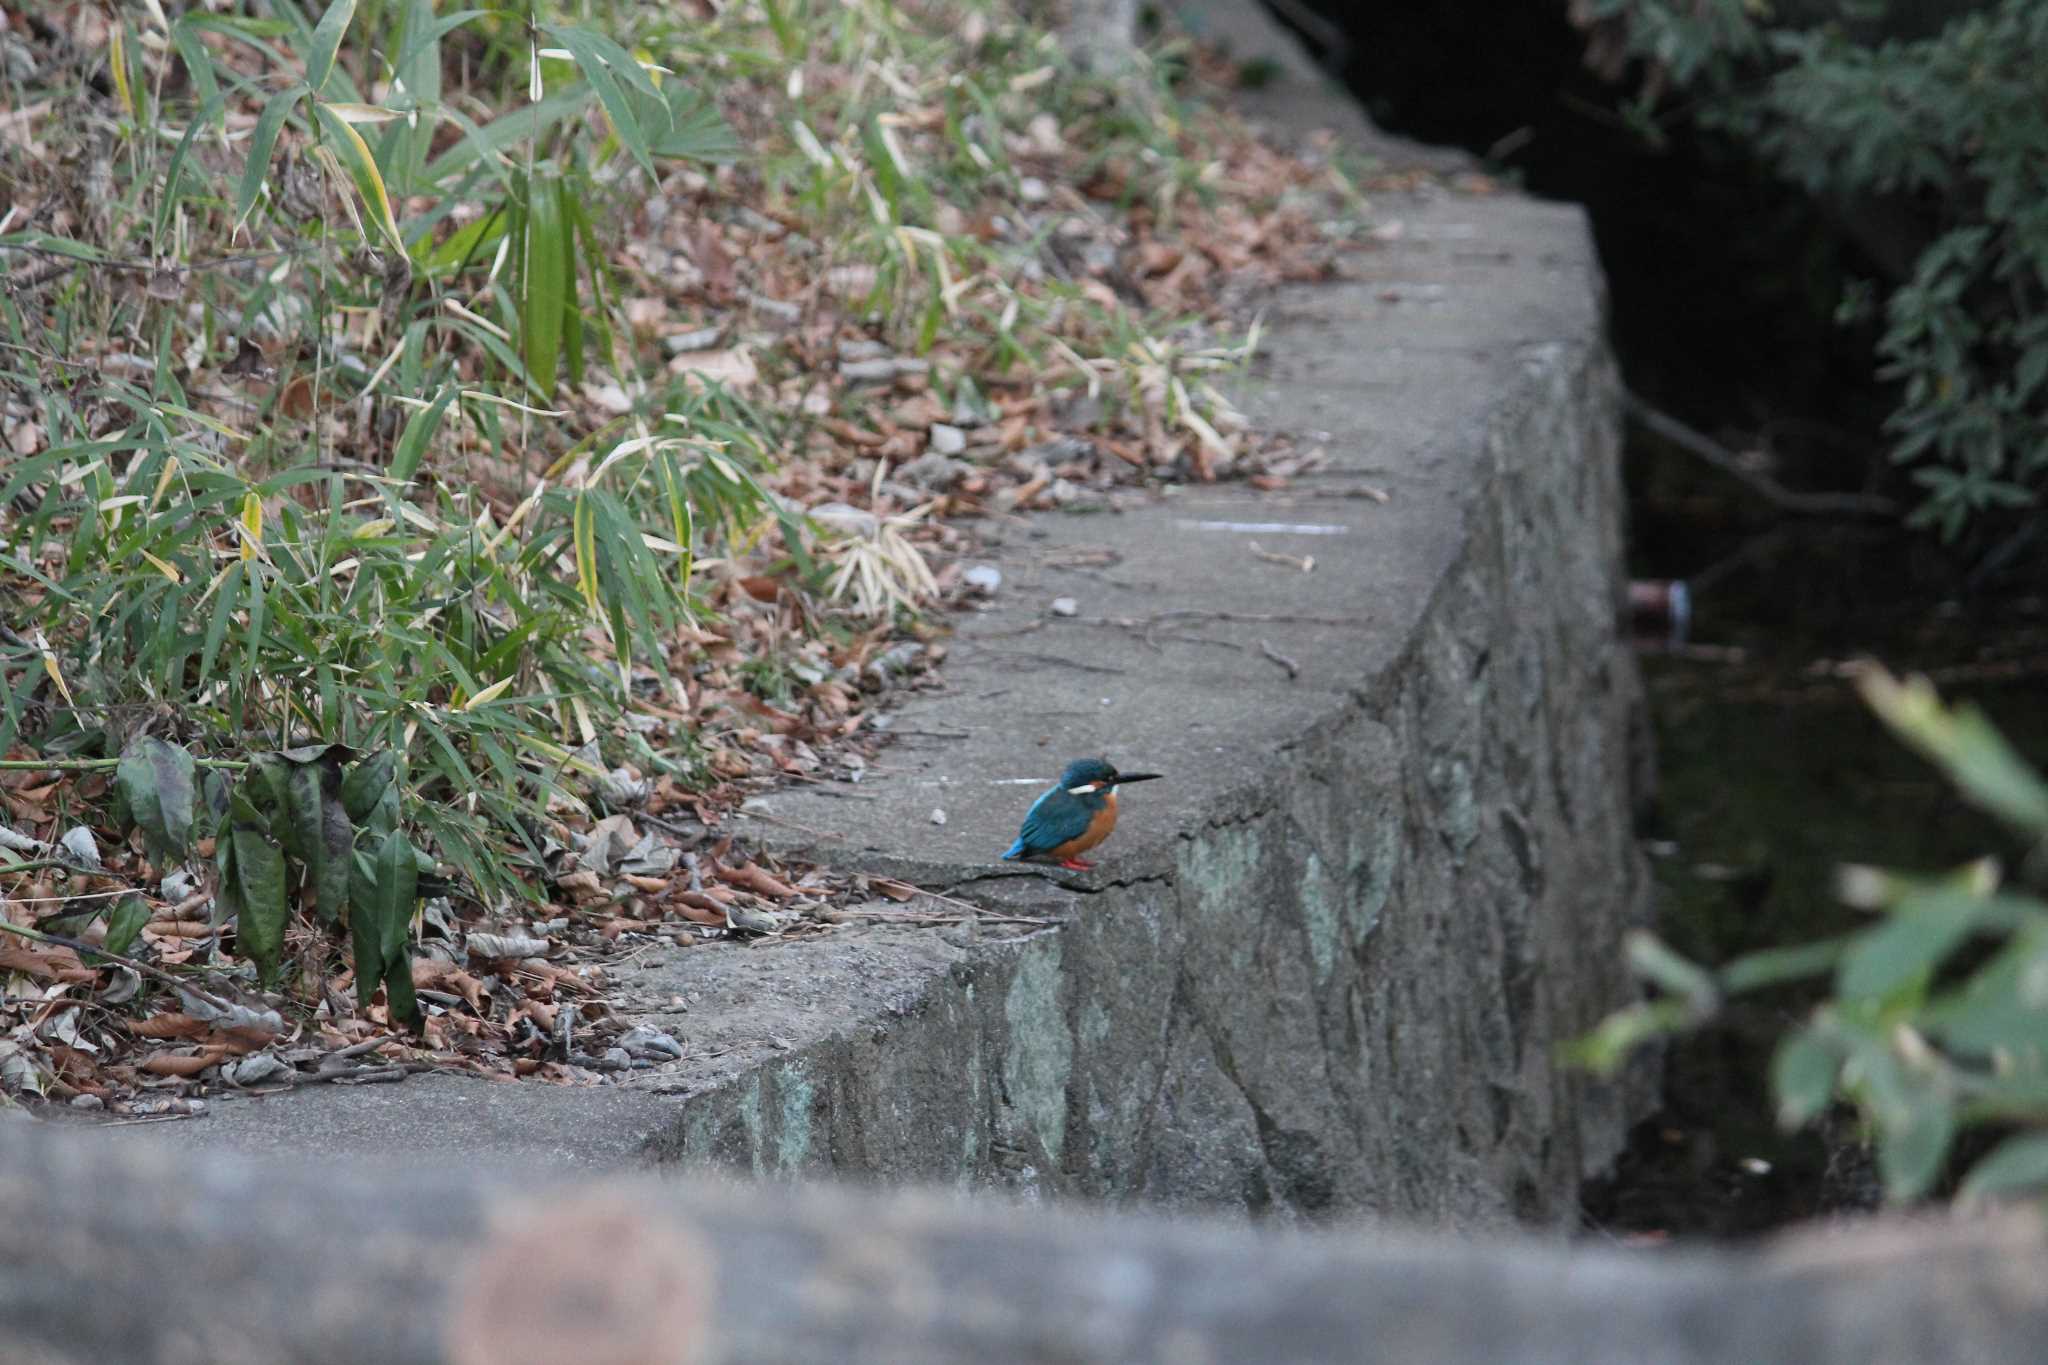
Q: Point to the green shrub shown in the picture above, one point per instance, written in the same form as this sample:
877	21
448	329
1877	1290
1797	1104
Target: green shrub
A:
1953	127
1926	1039
321	578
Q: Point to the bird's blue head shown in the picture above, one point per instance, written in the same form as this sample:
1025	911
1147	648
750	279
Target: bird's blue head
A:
1097	775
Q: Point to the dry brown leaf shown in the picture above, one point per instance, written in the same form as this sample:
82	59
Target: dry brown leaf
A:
170	1026
46	964
699	908
183	1064
757	880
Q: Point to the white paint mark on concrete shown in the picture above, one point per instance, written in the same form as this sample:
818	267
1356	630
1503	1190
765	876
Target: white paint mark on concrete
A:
1268	528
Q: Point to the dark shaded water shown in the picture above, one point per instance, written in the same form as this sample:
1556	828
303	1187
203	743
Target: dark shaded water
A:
1772	774
1723	284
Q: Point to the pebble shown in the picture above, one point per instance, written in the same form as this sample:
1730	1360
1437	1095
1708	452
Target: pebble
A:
948	440
984	578
1065	606
938	817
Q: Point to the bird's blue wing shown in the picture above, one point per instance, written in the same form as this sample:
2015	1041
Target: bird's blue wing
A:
1053	819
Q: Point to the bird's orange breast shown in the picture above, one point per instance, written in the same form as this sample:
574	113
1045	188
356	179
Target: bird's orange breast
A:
1099	826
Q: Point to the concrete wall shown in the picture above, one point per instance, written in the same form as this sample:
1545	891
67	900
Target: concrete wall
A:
1334	979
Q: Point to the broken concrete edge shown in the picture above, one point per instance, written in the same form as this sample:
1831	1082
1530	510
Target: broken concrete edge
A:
150	1256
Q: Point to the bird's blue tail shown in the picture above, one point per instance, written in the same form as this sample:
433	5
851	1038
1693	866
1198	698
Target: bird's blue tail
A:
1016	851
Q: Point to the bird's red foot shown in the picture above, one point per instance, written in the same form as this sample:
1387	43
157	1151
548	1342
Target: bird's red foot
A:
1077	865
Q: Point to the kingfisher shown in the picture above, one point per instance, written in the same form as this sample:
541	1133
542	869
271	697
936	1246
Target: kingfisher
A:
1074	815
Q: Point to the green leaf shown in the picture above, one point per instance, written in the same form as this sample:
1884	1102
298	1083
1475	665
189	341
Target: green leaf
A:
327	42
198	60
1917	935
261	144
321	832
2019	1164
259	890
366	941
380	923
682	518
125	923
1652	959
419	433
583	526
1605	1049
490	142
367	782
354	154
1803	1077
158	780
605	64
1913	1143
1774	966
696	131
266	786
545	286
1963	744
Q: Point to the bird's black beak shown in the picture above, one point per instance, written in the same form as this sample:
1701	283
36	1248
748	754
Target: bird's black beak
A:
1122	778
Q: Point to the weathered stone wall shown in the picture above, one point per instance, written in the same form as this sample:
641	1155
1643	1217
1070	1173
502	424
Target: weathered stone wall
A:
1338	986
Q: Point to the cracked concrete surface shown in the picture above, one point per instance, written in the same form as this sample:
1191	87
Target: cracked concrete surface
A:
1323	966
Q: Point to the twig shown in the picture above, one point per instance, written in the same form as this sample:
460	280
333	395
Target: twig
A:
1305	563
1709	451
1256	618
134	964
37	864
662	822
980	911
361	1075
147	1118
790	824
916	920
81	765
1052	659
1293	668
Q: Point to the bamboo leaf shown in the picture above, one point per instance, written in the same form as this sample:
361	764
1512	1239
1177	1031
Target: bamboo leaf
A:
419	434
261	144
604	65
584	525
354	154
327	42
545	287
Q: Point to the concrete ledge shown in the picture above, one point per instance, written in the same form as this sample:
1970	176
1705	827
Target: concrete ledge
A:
1324	965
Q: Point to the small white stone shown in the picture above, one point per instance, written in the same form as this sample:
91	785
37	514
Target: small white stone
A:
1065	606
984	578
948	440
938	817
